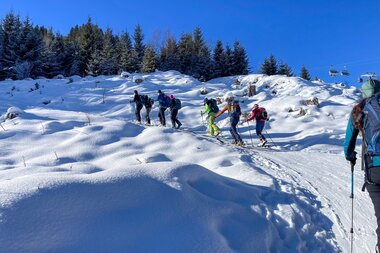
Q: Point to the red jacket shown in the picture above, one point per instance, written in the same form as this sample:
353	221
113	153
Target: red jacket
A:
256	114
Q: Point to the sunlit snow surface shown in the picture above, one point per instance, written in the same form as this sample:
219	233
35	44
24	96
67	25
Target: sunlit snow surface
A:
77	174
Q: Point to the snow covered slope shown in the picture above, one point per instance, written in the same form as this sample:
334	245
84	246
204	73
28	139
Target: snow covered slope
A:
78	175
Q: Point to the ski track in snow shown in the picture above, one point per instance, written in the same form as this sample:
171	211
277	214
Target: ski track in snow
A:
291	199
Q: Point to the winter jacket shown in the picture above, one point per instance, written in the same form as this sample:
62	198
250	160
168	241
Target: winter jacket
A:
352	132
172	104
208	109
137	99
256	114
233	110
160	99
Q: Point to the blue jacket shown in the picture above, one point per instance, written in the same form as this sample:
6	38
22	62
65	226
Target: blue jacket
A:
160	100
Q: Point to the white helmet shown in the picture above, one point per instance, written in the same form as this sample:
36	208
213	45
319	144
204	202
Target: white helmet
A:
228	96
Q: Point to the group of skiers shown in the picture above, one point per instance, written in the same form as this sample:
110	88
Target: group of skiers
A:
164	102
211	109
234	111
364	119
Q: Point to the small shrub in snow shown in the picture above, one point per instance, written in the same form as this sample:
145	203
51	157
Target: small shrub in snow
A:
46	101
59	77
311	101
138	79
36	87
88	119
203	91
70	80
13	112
11	115
302	112
331	115
251	90
125	74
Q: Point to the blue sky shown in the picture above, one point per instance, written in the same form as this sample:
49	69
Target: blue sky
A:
314	33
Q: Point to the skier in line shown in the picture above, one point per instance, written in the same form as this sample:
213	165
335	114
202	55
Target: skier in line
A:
234	113
364	119
139	105
174	107
148	103
259	114
163	103
211	109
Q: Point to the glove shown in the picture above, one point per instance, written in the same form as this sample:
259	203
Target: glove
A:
351	157
246	120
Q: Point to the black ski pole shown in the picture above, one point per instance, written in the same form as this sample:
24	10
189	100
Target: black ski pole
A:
269	137
352	206
250	135
203	122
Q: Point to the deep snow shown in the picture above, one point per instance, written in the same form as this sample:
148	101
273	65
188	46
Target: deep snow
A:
77	174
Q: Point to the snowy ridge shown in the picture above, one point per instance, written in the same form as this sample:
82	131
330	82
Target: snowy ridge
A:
79	171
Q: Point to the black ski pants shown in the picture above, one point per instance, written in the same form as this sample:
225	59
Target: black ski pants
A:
174	118
374	194
233	130
161	115
147	115
138	112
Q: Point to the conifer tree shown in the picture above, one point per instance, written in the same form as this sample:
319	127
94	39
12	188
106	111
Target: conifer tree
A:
74	34
169	58
240	62
228	68
91	41
108	62
219	60
124	52
74	63
30	50
46	34
204	71
11	32
285	70
137	53
150	60
185	52
1	52
269	67
305	73
54	57
201	63
94	64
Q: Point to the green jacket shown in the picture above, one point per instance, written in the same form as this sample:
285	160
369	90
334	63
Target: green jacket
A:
208	110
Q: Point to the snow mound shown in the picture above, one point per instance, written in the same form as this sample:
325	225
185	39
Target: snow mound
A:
93	213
